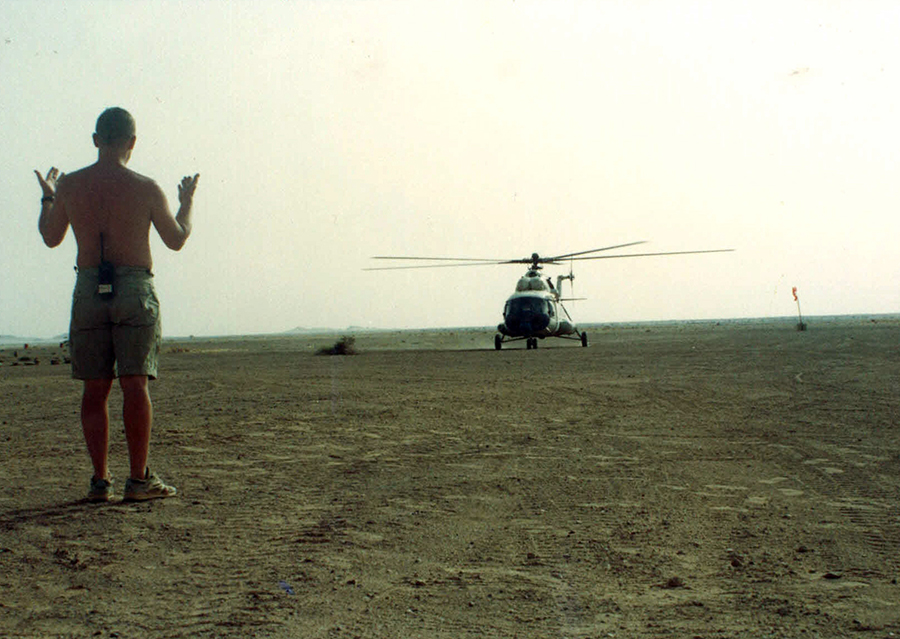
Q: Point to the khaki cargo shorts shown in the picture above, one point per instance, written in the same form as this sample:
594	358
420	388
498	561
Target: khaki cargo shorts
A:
115	337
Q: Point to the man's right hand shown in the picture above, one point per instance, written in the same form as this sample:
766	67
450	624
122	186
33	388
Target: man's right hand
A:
186	188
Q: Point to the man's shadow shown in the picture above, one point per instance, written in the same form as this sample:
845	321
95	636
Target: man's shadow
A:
49	515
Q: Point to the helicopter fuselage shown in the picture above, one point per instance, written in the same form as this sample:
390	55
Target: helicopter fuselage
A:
535	310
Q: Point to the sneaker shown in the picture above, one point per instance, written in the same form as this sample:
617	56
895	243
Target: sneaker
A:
150	487
101	490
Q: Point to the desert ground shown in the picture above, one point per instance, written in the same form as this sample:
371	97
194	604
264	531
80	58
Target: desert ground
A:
734	479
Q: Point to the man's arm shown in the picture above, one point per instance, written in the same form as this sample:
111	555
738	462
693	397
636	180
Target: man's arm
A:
174	231
53	222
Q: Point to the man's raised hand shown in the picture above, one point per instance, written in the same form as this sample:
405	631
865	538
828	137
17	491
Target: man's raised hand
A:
49	183
187	187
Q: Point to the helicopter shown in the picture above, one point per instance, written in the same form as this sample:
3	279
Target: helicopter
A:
535	310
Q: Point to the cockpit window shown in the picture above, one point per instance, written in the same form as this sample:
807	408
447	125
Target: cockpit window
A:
532	305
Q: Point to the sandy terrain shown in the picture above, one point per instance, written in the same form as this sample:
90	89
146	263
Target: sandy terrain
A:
740	480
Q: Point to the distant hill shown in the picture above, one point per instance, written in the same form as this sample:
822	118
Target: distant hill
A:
302	330
16	339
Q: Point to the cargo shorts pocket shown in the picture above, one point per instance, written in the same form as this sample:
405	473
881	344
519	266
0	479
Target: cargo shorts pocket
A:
88	315
137	310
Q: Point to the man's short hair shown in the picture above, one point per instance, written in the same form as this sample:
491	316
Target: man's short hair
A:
114	126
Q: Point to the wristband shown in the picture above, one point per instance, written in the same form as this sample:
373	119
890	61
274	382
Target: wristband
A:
47	198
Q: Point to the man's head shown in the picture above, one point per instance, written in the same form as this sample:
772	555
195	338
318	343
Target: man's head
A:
115	128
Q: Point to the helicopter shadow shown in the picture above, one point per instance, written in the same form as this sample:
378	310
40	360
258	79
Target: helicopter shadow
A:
522	347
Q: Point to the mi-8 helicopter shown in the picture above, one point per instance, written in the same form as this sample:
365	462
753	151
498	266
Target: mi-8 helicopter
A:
535	310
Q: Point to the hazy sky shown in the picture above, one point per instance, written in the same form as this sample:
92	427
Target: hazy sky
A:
329	132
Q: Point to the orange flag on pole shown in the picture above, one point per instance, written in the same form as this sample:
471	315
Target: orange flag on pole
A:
794	291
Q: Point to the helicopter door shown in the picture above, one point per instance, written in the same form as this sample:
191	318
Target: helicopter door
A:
554	316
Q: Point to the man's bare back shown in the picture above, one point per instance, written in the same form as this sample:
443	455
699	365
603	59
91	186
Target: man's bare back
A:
111	199
120	204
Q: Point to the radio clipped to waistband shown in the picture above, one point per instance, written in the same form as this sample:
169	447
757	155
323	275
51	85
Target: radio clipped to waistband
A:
107	275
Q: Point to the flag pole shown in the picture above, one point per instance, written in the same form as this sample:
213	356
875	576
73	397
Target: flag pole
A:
801	326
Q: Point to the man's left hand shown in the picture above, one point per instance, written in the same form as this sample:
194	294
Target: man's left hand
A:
50	182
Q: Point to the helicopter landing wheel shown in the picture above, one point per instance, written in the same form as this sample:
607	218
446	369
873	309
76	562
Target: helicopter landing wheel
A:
531	343
498	342
584	341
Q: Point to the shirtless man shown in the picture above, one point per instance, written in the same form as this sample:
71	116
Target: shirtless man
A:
115	327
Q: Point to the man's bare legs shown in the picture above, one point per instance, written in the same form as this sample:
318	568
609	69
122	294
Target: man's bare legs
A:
137	412
95	423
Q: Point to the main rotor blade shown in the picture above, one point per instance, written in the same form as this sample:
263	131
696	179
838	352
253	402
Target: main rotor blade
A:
473	261
607	248
399	268
488	260
609	257
441	259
